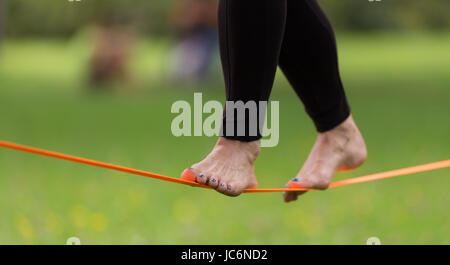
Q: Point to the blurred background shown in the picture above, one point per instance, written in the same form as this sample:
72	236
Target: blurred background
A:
97	79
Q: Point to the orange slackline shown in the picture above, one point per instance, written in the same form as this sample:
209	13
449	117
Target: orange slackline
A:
382	175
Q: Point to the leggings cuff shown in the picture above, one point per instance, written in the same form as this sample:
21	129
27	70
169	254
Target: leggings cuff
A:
332	118
243	138
247	137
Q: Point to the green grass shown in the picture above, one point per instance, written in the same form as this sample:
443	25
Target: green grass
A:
398	86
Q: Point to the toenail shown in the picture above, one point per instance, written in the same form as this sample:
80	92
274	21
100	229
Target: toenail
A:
295	179
221	185
213	180
228	188
201	175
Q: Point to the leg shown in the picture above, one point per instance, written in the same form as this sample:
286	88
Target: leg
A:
309	60
250	36
250	33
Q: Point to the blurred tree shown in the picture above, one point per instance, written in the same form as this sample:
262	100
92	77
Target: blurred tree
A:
391	15
63	18
425	14
2	18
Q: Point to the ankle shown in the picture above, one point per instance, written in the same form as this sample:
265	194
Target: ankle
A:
251	149
346	129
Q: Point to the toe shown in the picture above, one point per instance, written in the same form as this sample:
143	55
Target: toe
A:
189	175
316	182
222	187
296	183
213	182
233	190
290	196
201	178
293	195
228	190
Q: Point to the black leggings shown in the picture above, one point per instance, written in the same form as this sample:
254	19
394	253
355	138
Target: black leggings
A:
257	35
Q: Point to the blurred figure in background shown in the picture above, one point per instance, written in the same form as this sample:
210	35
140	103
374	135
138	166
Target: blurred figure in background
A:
2	18
112	49
196	27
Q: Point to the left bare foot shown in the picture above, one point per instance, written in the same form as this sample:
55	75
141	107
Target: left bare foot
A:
229	168
341	148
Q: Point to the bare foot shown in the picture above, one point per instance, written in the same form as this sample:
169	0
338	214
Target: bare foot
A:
229	168
341	148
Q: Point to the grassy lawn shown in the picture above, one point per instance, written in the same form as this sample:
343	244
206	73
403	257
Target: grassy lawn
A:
398	86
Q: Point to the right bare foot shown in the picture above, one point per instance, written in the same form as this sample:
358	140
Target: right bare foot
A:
341	148
229	168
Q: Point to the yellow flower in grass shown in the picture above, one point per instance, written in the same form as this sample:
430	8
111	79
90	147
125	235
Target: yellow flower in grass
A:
25	227
307	223
136	198
80	216
98	222
54	223
185	211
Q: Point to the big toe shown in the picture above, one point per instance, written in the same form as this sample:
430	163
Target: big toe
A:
294	183
189	175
